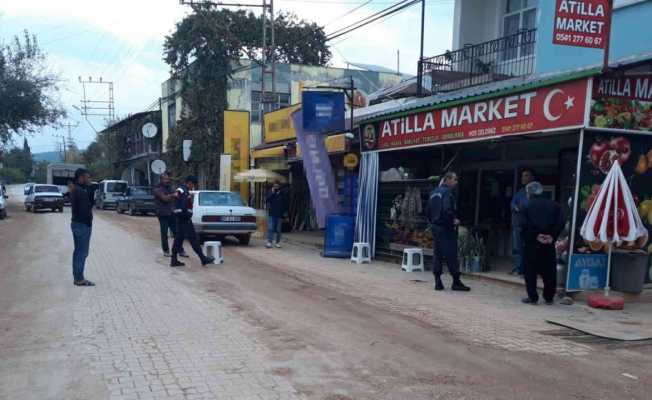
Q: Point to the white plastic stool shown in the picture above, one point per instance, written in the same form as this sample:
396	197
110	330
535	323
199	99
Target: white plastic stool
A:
412	260
214	249
360	253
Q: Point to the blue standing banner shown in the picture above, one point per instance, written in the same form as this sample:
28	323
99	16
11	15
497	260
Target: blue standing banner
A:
586	272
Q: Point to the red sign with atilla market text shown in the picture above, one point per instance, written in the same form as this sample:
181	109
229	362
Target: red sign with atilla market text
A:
547	108
583	23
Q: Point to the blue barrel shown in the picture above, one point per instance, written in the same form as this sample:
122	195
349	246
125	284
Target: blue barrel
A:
338	238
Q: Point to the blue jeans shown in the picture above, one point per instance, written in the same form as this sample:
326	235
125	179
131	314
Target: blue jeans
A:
81	234
274	229
517	249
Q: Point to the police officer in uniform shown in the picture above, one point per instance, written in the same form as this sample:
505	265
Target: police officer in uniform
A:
185	229
442	215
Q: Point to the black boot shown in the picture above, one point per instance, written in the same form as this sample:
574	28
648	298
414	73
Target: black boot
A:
438	283
459	286
207	260
175	262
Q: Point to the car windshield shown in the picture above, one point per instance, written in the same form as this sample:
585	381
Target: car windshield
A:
219	199
44	189
116	187
141	191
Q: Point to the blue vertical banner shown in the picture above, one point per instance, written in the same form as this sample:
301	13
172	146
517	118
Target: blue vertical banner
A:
319	172
323	112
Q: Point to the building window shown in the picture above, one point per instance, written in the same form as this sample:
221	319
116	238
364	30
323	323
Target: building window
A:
520	15
282	100
172	115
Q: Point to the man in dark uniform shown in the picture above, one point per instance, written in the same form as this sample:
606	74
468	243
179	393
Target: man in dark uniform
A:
542	221
165	198
442	215
185	229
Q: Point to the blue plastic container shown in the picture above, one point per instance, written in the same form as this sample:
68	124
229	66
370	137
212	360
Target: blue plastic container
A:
338	238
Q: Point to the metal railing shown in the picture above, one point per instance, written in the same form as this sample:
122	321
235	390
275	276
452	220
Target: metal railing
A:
507	57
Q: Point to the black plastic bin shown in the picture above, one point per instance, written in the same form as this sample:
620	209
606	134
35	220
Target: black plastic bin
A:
628	271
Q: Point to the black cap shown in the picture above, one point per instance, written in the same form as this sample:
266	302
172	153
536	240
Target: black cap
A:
192	178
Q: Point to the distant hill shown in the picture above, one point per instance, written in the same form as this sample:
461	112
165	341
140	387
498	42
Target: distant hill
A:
49	156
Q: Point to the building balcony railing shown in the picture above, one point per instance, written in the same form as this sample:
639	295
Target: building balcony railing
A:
504	58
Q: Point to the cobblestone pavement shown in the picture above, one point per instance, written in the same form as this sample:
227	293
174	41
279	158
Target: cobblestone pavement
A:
149	337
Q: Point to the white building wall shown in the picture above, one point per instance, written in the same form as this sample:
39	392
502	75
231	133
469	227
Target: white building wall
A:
477	21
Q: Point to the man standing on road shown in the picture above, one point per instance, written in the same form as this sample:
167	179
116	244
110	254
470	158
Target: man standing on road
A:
164	197
183	219
442	215
519	201
542	222
81	202
275	208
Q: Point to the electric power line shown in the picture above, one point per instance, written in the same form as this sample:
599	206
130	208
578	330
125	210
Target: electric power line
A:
348	13
368	17
403	7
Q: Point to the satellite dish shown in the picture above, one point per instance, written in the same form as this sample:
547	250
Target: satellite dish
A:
150	130
158	167
187	145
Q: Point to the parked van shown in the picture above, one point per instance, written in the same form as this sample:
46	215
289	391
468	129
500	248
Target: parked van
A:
108	193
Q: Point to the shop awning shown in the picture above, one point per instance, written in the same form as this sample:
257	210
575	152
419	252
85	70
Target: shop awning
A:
334	144
270	152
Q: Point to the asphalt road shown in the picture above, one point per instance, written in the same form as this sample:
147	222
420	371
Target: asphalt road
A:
302	333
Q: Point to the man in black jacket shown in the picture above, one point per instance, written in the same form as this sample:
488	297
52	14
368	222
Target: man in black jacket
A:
81	202
542	221
164	198
185	229
442	215
276	207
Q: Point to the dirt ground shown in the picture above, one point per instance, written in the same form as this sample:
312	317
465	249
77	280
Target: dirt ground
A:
327	339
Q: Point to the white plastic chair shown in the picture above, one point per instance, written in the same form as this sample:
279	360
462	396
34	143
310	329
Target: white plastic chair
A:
360	253
412	260
214	249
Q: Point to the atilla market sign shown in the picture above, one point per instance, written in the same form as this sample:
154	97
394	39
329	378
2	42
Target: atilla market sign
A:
547	108
583	23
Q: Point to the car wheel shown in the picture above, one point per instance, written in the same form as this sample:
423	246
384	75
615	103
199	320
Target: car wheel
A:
3	214
103	206
132	212
244	239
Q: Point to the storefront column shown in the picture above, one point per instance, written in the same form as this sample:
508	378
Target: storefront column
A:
365	224
576	201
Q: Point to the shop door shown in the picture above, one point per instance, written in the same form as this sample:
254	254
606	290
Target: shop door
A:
494	213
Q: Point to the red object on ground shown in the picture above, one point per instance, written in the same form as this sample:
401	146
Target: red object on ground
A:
598	300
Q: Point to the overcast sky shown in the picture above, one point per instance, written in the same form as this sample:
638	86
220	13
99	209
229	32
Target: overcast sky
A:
121	41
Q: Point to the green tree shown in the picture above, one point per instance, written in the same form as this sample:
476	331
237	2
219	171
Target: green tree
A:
26	89
20	159
202	53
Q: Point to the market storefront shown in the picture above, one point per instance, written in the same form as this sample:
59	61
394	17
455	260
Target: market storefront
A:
556	127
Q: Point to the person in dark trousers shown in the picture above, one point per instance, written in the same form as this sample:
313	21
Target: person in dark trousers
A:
518	203
81	202
184	228
542	222
276	206
164	197
442	215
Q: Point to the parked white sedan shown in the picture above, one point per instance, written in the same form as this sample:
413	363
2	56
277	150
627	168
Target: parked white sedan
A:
218	214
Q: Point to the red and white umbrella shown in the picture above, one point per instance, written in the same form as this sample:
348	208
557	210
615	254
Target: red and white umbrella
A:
613	216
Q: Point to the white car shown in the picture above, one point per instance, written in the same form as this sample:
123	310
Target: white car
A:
41	197
218	214
3	202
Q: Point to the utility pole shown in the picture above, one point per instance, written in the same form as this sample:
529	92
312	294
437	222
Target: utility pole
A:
63	148
420	66
103	107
